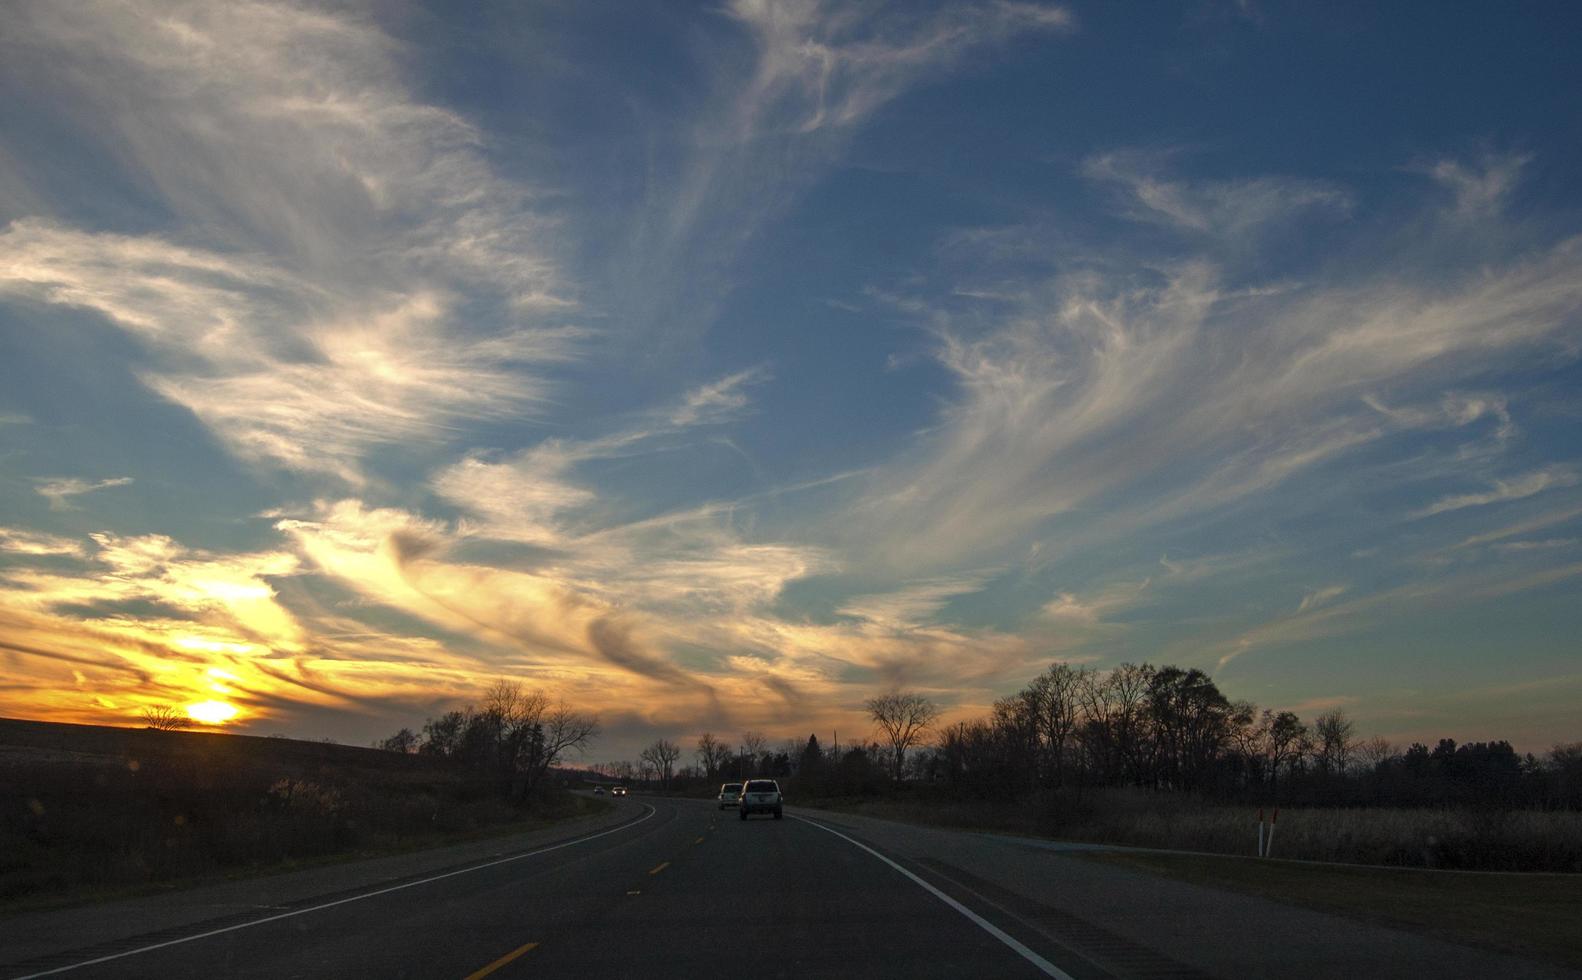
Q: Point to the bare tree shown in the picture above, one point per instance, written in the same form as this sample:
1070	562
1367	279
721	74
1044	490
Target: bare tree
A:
712	754
753	746
1285	740
564	730
904	718
1056	697
1247	737
165	718
662	756
1116	705
1015	723
1371	752
1336	738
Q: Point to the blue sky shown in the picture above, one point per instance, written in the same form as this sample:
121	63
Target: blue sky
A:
720	367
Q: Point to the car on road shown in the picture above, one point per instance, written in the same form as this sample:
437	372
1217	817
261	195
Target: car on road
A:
598	791
760	796
618	791
730	794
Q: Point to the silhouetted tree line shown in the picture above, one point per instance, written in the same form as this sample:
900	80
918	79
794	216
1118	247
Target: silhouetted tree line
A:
717	761
1166	728
515	736
1171	729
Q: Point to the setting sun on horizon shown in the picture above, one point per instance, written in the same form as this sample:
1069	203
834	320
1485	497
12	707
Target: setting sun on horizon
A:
211	712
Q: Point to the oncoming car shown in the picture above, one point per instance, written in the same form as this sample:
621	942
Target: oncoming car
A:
618	791
760	796
598	791
730	794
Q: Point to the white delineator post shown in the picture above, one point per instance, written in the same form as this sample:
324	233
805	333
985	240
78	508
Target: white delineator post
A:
1260	831
1268	845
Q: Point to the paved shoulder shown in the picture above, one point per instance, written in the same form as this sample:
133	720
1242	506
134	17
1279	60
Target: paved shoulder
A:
1125	923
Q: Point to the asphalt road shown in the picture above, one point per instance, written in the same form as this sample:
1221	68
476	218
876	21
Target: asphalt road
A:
685	890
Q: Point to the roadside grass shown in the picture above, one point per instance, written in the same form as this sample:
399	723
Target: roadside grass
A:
1467	839
570	807
1532	915
88	813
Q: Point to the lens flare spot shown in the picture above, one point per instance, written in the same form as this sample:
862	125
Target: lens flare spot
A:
211	712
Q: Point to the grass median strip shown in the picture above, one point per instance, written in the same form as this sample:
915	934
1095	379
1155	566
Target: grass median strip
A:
1531	915
502	961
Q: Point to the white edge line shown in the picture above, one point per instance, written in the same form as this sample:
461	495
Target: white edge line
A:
340	901
1048	968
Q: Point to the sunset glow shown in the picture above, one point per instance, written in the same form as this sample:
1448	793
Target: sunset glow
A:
796	354
211	712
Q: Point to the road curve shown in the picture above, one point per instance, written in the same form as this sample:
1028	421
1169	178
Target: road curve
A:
685	890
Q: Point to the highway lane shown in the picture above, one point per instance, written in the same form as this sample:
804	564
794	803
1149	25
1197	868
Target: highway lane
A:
683	893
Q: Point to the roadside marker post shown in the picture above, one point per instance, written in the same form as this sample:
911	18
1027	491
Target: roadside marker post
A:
1269	844
1260	831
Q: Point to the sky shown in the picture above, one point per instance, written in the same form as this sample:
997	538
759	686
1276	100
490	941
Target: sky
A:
719	367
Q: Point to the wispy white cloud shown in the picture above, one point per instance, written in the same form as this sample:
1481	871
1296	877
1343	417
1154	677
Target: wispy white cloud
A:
522	498
529	496
1104	380
823	65
1456	408
58	490
1479	188
1552	518
1232	209
20	542
913	605
1545	544
801	79
229	592
302	302
1319	597
1515	488
1322	620
718	400
1092	609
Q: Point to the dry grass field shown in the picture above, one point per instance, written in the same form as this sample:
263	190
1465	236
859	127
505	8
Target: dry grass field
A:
1534	915
86	810
1468	839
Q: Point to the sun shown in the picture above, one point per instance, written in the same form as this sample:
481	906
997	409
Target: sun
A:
211	712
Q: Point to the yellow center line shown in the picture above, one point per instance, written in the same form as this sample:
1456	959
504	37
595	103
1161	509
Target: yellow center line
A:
698	841
662	866
502	961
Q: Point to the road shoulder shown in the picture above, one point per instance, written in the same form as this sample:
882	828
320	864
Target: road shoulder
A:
1108	913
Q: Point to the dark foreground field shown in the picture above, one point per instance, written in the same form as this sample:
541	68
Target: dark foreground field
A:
88	811
1444	838
1534	915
